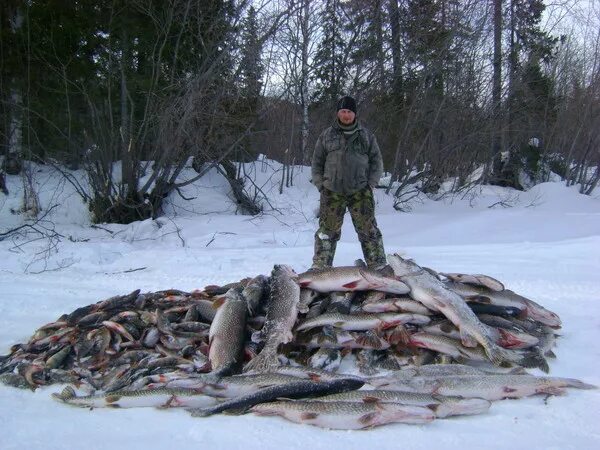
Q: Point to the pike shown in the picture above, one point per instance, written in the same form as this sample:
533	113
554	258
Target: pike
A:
447	346
255	291
234	386
489	387
363	321
406	305
350	278
145	398
506	298
227	334
306	298
345	340
282	312
440	405
476	279
503	337
295	389
345	415
430	291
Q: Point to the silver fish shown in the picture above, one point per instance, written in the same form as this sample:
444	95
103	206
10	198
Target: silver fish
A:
507	298
350	278
489	387
363	321
158	398
477	280
440	405
398	304
345	415
227	333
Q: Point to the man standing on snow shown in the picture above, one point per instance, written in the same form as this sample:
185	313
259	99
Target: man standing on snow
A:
346	166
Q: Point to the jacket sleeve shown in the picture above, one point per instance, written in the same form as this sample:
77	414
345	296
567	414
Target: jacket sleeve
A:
375	162
318	163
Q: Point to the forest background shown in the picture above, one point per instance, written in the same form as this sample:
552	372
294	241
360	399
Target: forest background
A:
477	92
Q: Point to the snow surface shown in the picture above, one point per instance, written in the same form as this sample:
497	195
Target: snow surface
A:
543	244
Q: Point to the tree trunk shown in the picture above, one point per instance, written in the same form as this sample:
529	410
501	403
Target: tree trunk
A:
396	53
497	92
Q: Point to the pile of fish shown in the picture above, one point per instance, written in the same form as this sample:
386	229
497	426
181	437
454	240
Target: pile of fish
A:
342	347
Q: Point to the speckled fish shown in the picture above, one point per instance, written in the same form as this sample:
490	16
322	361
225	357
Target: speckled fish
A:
447	346
430	291
475	279
345	415
255	292
227	333
363	321
503	337
489	387
282	311
306	298
440	405
508	298
399	304
146	398
350	278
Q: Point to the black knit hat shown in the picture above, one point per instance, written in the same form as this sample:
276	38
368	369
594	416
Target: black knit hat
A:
347	102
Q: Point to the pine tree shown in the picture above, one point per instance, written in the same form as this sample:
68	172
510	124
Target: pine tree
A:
330	67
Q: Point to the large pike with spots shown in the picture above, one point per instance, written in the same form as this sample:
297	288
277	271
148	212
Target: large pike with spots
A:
282	311
350	278
431	292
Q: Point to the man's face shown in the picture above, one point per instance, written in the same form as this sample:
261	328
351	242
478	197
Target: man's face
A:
345	116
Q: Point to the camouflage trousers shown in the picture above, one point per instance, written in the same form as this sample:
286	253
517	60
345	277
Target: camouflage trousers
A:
331	217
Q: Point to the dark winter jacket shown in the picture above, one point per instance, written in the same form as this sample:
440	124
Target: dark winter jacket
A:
346	164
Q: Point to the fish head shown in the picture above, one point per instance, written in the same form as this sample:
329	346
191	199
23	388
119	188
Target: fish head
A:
402	266
283	270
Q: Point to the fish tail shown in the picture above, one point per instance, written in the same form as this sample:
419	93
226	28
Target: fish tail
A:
572	382
66	394
529	359
266	360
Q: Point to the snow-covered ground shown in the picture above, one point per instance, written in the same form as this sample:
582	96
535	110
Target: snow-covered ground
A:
546	246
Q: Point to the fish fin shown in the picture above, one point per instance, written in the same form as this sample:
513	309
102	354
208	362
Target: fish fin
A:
351	284
338	324
534	359
263	412
217	302
551	390
433	406
399	335
467	339
447	327
367	419
550	354
368	340
314	376
309	415
66	394
369	399
508	339
346	351
112	399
